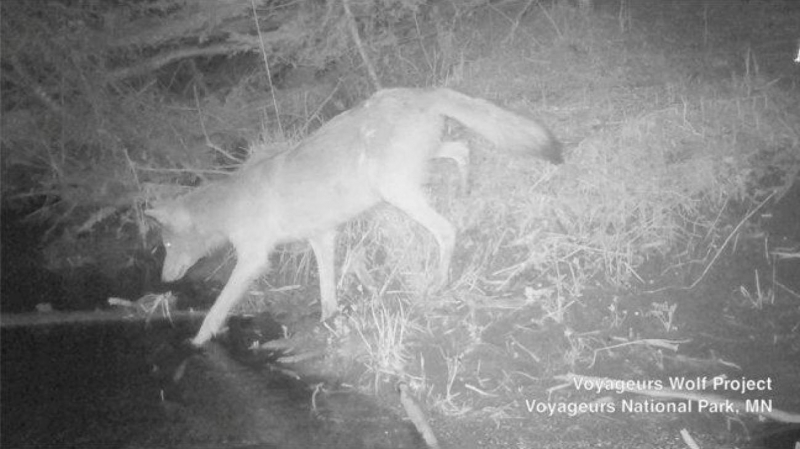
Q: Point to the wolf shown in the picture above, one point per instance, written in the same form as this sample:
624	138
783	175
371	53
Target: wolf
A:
376	152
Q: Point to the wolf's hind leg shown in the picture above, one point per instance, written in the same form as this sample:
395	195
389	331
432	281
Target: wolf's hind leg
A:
459	153
412	201
250	263
324	246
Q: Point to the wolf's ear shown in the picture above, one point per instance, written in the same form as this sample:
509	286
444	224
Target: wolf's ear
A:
170	215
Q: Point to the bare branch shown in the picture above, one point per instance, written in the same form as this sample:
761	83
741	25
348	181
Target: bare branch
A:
160	60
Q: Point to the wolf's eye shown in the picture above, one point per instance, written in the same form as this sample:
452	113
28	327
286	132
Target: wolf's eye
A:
167	244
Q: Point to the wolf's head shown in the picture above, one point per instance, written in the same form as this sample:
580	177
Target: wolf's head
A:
183	241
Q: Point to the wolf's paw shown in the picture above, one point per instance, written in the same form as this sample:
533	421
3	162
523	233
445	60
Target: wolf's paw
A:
210	328
436	285
328	314
169	360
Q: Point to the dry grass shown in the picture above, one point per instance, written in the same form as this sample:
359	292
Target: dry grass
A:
661	172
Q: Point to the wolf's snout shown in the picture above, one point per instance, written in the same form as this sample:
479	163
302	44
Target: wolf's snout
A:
173	272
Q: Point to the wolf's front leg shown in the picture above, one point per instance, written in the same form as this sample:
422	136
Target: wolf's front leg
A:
250	263
324	246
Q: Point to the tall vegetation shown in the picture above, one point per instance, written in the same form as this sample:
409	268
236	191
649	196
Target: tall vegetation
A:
106	104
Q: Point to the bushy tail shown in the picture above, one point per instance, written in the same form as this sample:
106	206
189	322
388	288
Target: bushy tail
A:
505	129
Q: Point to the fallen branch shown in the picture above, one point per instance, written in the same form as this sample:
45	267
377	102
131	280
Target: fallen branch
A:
146	308
11	320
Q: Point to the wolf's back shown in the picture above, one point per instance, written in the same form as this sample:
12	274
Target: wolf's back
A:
503	128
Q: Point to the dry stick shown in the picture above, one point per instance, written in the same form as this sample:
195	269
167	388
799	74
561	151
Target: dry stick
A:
624	16
789	290
431	64
719	251
316	112
515	22
728	239
795	137
351	24
137	205
26	80
266	64
209	143
151	65
552	22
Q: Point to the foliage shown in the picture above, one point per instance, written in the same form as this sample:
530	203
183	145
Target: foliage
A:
102	99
